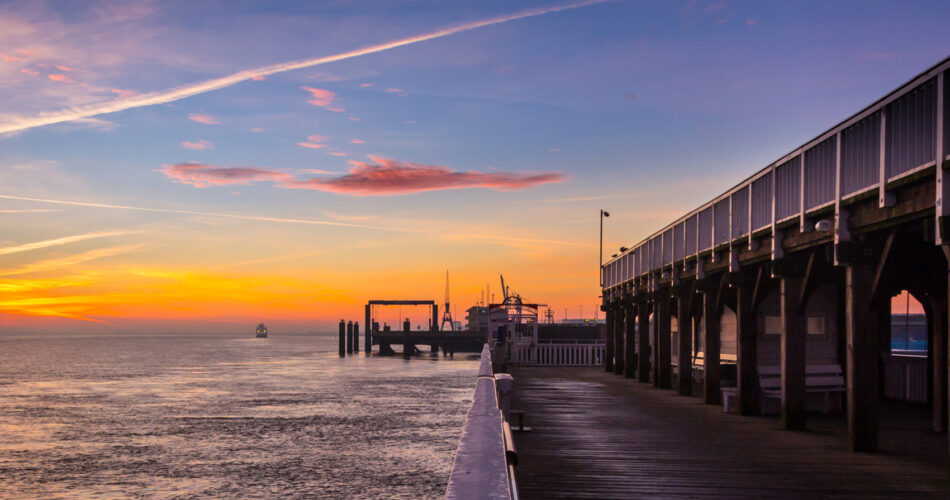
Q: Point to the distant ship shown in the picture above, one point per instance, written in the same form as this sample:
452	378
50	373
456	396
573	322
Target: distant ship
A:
261	331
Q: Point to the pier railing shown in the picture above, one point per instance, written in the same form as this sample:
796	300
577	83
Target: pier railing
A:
559	354
482	467
898	138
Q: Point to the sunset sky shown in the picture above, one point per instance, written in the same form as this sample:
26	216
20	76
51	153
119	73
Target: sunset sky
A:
182	166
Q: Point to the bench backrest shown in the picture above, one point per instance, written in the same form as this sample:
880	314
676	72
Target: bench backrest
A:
770	377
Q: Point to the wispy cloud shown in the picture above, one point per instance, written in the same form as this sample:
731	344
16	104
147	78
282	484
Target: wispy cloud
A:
203	118
26	210
60	262
399	92
357	141
320	97
61	241
199	145
23	122
314	141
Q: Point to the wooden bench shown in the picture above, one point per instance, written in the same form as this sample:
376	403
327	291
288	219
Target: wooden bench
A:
827	380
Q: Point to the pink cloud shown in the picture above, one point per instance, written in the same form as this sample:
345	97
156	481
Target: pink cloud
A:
25	52
198	145
311	145
751	21
399	92
30	72
64	68
9	58
381	177
336	153
320	97
336	110
357	141
366	85
203	118
201	175
257	130
354	119
258	78
317	138
390	177
409	122
555	150
122	93
60	78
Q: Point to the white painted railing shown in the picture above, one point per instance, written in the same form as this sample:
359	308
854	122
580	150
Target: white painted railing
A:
559	354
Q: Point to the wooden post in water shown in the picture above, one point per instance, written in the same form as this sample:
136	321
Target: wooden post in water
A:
356	337
342	338
369	332
349	337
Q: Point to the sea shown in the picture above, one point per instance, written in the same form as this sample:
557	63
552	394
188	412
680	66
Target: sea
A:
225	416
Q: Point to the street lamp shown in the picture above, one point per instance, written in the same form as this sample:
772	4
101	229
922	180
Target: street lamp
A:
600	271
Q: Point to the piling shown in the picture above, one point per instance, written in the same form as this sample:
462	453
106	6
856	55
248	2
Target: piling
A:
349	337
342	338
356	337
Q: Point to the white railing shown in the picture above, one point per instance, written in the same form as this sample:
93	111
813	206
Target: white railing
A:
559	354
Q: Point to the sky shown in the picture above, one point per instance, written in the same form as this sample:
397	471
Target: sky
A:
190	166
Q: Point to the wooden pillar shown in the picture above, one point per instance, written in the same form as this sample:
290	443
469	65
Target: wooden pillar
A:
792	355
711	393
747	369
663	354
630	340
619	350
368	340
356	337
609	339
685	348
349	337
643	341
342	338
938	349
863	364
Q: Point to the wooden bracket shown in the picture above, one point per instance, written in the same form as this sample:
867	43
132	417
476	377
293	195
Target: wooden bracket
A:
882	265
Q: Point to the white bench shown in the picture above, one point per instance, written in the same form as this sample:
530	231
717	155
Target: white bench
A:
819	379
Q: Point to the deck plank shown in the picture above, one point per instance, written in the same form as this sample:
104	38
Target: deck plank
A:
597	435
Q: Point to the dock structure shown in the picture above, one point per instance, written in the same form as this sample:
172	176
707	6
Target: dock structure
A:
448	341
775	296
596	435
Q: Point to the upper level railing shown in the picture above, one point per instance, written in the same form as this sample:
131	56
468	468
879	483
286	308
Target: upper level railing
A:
900	135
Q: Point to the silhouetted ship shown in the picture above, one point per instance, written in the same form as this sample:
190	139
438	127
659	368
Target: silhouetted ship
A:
261	331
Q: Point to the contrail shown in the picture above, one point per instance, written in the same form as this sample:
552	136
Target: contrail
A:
16	124
61	241
195	212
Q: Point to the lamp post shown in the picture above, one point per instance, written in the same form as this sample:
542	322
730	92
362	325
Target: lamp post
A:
600	270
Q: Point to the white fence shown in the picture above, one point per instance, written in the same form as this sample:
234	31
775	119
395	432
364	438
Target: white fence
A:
559	354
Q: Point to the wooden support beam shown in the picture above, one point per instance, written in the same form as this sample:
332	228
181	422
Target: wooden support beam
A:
758	288
643	340
630	341
609	339
882	265
862	355
619	351
808	282
711	393
663	343
938	349
747	376
684	321
792	355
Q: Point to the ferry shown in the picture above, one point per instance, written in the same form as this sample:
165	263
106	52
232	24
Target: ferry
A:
261	331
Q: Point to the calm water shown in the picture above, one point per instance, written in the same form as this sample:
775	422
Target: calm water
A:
218	416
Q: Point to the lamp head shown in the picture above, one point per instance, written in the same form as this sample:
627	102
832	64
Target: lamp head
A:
605	213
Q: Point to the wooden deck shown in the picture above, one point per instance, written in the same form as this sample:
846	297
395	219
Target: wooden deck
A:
598	435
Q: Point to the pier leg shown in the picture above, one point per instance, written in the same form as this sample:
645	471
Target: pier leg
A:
684	321
356	337
643	340
747	376
630	341
368	340
793	355
863	371
663	354
609	339
711	394
939	376
349	337
619	350
342	338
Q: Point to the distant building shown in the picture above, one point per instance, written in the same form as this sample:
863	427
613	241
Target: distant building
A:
476	318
